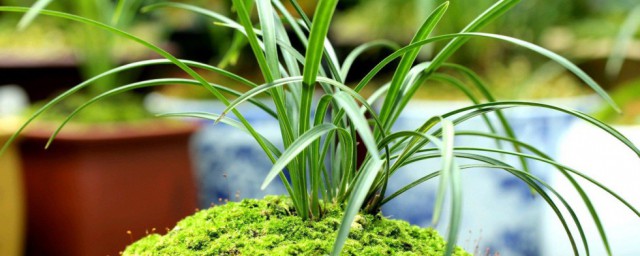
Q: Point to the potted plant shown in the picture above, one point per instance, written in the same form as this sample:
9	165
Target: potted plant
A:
71	201
339	152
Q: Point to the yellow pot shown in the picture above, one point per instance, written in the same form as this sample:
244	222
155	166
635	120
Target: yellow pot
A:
11	195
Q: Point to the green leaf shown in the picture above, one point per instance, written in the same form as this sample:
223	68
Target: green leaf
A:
32	13
353	55
319	30
266	16
406	62
368	172
195	9
295	148
448	167
228	121
483	19
621	45
492	106
589	205
274	150
245	19
116	70
537	49
355	201
137	85
345	102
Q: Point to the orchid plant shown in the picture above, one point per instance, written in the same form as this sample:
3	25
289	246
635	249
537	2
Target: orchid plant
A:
338	148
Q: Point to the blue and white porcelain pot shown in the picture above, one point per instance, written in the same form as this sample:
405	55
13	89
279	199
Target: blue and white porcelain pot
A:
229	163
500	213
597	154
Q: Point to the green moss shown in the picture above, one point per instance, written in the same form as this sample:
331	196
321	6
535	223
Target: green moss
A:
269	227
126	107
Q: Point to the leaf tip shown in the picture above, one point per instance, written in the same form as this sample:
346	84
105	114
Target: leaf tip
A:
146	9
22	25
219	118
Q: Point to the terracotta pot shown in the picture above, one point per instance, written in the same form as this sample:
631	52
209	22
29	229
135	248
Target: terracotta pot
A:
11	197
97	183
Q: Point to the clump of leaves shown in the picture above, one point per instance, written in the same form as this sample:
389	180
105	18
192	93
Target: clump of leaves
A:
338	149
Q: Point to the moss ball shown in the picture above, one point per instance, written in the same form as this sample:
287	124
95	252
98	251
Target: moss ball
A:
270	227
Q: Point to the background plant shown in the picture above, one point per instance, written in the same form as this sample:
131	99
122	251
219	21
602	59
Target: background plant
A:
96	51
338	149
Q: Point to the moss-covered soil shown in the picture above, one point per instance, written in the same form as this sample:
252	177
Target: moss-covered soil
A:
270	227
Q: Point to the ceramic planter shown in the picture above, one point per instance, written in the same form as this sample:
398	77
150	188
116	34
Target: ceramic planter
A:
229	162
611	164
500	215
95	184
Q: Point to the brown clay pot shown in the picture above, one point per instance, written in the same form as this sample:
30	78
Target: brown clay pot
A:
95	184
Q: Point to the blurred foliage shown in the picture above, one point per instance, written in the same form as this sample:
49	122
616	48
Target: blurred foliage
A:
529	20
578	29
569	27
628	97
123	108
93	50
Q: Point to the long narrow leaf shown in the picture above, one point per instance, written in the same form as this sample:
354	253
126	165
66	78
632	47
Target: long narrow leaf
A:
295	148
551	55
493	106
32	13
353	55
388	107
356	199
267	24
319	29
368	172
621	45
137	85
448	167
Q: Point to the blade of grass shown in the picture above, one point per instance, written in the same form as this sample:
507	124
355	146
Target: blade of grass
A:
507	104
355	53
245	21
319	29
480	85
368	171
621	45
286	128
537	49
329	53
406	62
267	25
448	167
490	14
137	85
356	199
296	148
274	150
32	13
